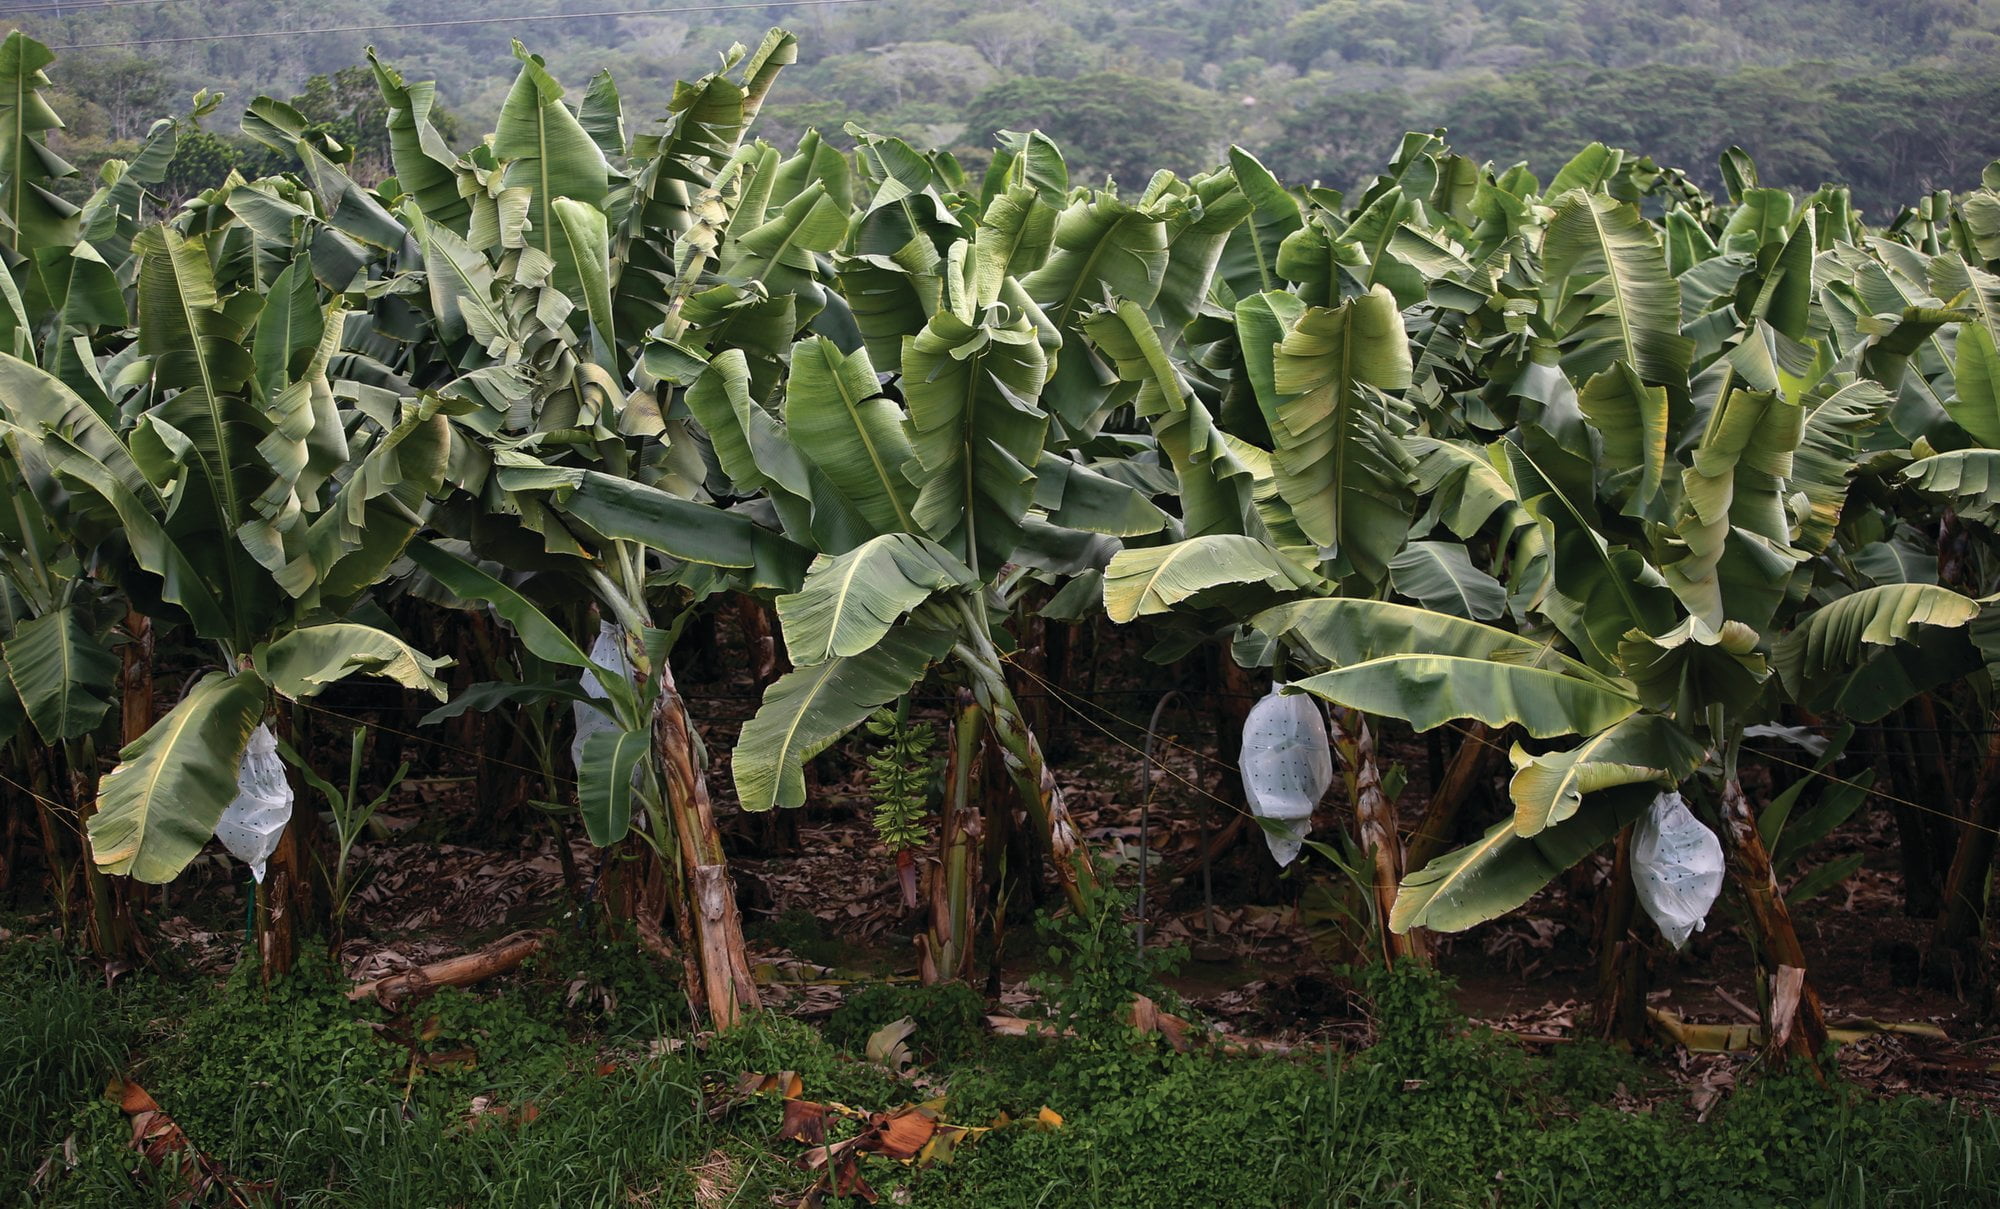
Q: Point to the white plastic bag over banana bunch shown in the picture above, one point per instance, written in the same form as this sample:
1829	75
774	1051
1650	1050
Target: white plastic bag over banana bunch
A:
1676	868
251	826
607	652
1287	765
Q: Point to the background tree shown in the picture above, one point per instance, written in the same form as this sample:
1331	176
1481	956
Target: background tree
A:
1093	114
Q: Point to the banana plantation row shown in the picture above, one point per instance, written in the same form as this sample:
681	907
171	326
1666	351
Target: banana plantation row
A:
1604	465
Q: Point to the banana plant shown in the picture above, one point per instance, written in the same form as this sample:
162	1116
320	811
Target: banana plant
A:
60	300
1675	569
1309	485
576	458
930	496
921	499
1941	345
1680	584
223	455
60	676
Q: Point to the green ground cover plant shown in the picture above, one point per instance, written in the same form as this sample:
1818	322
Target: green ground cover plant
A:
297	1086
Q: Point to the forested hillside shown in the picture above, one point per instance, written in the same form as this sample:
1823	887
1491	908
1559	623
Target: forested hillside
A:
1892	97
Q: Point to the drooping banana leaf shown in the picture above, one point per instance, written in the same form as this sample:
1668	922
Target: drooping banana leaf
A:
1633	420
1440	575
620	508
62	673
972	388
1645	748
851	600
548	152
425	165
805	710
1834	642
160	805
1431	690
839	418
306	661
1250	264
1347	630
1969	478
1825	461
1606	273
1214	485
1501	870
489	695
1340	463
544	638
1221	569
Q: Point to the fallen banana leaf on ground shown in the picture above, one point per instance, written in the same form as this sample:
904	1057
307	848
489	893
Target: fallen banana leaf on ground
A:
1146	1017
750	1083
888	1046
805	1122
162	1142
805	973
914	1135
1704	1038
487	1113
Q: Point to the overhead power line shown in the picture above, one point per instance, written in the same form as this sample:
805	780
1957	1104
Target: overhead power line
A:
459	21
77	9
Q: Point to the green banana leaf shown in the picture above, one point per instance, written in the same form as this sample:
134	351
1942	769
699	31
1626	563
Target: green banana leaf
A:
160	805
304	662
63	674
851	600
807	709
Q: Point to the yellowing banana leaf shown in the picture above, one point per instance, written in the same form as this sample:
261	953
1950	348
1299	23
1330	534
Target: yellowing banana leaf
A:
1201	570
1548	788
160	805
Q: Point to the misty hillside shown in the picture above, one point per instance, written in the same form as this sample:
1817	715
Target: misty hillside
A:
1893	97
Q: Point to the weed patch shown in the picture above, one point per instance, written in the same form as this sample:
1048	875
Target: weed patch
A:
486	1100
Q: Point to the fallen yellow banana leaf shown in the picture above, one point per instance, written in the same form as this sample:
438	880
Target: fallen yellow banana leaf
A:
1703	1038
805	973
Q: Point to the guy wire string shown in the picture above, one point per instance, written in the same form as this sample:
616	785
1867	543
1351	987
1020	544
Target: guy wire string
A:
387	26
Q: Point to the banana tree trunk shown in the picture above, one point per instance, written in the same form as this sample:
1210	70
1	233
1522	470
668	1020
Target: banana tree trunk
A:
1031	664
277	935
1621	956
707	902
1954	948
944	952
112	935
50	786
286	899
65	787
1029	771
759	640
1923	839
1462	774
1375	825
1794	1024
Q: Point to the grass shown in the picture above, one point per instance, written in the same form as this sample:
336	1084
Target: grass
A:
60	1037
298	1088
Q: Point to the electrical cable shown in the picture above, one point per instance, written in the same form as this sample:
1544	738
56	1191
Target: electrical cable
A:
383	27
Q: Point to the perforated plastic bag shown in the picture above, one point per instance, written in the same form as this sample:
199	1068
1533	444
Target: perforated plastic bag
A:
1287	765
607	652
251	826
1676	868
